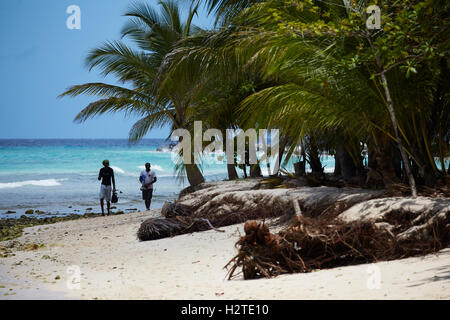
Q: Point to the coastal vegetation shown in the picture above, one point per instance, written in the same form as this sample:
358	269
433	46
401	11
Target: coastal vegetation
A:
375	99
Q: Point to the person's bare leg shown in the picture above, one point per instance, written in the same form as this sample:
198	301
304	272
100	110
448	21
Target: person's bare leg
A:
150	199
102	206
108	205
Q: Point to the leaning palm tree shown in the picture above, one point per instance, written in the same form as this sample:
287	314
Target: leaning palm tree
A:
158	99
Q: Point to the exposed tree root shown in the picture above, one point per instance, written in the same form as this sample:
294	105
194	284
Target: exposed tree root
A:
310	244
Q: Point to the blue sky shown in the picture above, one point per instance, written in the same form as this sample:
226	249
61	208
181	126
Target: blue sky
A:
41	57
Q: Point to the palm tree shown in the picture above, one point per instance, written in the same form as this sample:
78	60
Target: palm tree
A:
158	99
316	94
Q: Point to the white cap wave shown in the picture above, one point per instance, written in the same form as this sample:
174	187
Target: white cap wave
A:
117	169
153	166
122	172
40	183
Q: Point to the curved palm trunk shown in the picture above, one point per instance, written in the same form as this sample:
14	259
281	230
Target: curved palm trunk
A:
194	174
412	182
281	151
390	105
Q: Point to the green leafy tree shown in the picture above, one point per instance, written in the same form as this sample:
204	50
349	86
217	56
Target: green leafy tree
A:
413	37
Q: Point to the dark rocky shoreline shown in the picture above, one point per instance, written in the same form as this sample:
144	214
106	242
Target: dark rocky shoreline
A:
11	228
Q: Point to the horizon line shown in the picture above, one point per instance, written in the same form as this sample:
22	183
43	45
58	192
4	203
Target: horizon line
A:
80	139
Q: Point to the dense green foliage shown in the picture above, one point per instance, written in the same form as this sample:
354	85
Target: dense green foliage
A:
310	68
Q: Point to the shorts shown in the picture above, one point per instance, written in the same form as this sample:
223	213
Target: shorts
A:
105	192
147	194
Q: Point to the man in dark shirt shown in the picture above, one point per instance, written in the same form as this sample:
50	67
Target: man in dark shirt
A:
106	174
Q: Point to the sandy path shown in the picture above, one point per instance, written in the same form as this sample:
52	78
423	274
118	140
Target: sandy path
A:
115	265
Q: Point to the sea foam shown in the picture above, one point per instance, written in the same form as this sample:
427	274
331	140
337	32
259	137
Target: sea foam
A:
118	170
154	167
41	183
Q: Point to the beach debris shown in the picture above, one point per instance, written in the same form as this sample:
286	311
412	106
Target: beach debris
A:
316	243
157	228
173	209
262	254
181	219
5	252
31	247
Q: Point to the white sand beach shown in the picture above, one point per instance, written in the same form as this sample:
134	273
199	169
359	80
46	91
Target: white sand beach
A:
113	264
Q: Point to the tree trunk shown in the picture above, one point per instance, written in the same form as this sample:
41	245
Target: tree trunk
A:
412	182
314	161
232	174
299	168
243	167
390	105
371	154
255	171
337	166
194	174
282	146
348	168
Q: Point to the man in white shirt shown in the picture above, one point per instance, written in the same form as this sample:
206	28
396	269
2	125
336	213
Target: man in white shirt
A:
147	178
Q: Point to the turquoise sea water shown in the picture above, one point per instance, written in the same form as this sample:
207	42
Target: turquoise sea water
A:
60	176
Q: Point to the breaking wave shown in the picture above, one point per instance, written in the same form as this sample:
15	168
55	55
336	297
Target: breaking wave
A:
40	183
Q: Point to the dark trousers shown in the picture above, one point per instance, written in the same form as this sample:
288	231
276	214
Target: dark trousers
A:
147	197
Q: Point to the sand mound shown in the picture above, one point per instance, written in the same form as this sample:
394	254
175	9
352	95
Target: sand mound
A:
411	219
230	202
